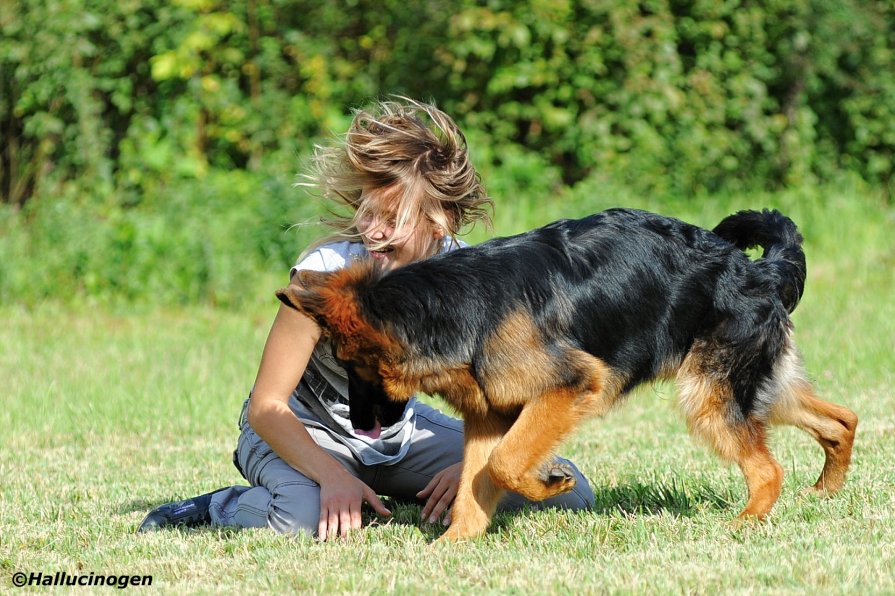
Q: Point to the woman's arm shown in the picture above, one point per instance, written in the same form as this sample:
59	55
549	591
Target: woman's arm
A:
286	354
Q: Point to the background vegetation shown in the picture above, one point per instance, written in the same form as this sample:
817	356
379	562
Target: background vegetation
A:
149	146
147	154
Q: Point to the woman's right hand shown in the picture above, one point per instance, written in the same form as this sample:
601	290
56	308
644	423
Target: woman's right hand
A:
341	499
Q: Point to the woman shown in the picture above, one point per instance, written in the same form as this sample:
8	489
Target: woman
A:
404	174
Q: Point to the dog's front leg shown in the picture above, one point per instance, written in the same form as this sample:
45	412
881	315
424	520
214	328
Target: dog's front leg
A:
518	462
477	495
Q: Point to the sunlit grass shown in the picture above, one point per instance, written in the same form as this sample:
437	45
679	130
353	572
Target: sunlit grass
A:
107	414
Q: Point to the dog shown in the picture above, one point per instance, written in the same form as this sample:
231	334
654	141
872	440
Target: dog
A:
527	335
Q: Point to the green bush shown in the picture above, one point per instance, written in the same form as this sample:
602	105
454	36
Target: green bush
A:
208	242
660	94
682	96
148	146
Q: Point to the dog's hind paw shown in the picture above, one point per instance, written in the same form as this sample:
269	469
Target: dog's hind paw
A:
816	491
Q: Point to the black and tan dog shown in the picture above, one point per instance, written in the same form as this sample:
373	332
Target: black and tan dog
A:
527	335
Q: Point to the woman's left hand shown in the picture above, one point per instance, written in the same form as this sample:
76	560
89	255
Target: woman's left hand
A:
440	491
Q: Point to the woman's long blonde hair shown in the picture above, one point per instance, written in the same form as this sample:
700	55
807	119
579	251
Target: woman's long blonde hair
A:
412	146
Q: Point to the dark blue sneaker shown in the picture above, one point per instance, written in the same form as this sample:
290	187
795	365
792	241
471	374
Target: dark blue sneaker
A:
190	513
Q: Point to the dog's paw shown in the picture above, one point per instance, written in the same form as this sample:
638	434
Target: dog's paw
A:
448	538
816	491
458	533
558	476
745	522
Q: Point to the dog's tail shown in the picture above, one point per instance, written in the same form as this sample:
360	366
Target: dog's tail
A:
783	258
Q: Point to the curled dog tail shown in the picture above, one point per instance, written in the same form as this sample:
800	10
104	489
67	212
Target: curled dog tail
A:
783	259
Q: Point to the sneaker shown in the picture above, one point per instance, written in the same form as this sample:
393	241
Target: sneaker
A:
190	513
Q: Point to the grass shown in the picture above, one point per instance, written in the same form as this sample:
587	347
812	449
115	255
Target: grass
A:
108	413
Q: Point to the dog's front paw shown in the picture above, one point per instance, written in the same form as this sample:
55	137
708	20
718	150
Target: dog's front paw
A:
557	476
449	537
458	533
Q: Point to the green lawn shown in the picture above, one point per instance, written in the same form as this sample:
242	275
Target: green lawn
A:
107	413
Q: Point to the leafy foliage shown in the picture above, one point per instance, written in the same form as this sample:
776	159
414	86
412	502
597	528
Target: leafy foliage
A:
158	125
660	94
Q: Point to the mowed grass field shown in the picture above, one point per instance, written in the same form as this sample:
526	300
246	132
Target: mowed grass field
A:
108	412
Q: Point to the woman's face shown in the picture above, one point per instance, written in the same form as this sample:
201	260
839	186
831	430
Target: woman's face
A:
377	225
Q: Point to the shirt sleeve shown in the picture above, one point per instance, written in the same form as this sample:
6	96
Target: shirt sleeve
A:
451	244
324	258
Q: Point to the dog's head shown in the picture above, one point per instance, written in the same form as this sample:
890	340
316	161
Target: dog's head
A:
334	301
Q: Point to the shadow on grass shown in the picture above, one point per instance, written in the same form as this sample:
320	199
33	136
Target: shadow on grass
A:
630	498
639	498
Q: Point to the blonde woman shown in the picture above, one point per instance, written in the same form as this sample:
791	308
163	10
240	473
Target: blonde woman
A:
403	174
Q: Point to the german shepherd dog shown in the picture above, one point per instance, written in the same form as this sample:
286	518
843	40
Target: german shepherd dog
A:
527	335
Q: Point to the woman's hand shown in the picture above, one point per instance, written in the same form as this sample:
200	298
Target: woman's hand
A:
441	491
341	498
289	346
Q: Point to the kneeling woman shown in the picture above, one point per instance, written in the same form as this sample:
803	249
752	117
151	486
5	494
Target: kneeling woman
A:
404	173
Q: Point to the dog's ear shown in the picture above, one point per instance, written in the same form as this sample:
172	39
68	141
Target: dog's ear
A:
311	279
303	292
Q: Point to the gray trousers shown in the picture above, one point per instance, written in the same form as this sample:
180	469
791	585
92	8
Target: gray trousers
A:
287	501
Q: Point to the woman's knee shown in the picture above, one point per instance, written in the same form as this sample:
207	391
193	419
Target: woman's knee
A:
295	509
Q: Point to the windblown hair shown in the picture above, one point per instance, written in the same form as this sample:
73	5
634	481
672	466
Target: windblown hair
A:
408	145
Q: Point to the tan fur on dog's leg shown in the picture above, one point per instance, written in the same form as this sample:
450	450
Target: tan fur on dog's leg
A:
543	424
477	495
706	403
833	426
545	421
764	476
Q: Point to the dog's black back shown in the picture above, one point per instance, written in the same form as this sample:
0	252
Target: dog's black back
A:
632	288
526	336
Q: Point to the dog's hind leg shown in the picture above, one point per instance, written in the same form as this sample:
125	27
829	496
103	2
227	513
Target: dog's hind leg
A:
833	426
764	476
707	404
